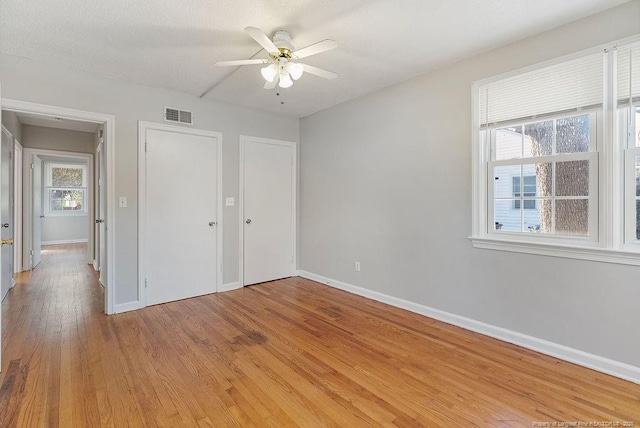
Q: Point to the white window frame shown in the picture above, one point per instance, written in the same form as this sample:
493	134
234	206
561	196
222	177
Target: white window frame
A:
48	170
631	151
610	164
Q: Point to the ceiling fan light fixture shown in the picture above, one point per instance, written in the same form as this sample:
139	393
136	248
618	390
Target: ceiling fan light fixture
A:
295	70
281	67
269	72
285	80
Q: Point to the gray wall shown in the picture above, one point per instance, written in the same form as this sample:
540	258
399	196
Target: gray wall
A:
64	228
26	80
39	137
386	180
10	120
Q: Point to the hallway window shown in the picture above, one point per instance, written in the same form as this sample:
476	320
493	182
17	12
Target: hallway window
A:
66	189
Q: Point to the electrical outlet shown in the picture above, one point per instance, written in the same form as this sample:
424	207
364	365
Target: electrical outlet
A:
229	202
357	266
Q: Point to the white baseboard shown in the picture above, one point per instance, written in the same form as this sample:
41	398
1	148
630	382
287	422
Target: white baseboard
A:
230	286
585	359
65	241
126	307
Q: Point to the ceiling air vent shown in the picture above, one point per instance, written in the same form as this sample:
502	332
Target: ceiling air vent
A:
178	116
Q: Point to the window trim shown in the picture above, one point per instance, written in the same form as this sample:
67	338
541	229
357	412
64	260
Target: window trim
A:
48	170
612	244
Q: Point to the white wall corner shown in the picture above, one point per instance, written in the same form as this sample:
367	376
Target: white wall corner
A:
127	307
229	287
585	359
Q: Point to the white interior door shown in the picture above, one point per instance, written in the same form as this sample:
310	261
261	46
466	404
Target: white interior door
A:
6	213
181	215
38	214
268	206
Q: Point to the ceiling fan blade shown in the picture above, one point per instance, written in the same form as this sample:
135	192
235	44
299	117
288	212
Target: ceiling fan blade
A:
241	62
316	48
319	72
264	41
271	85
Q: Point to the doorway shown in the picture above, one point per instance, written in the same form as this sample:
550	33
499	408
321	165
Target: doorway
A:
267	209
57	199
56	117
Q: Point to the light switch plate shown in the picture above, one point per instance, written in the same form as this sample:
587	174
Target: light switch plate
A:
122	202
230	202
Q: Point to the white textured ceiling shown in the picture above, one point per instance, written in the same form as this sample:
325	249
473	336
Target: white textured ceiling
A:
56	122
174	44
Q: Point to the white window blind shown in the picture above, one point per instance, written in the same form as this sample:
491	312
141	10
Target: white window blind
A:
569	85
628	73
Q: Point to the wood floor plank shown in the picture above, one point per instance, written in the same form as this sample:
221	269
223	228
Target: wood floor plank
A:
284	353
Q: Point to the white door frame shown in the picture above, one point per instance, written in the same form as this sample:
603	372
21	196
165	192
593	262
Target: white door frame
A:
96	209
28	226
142	203
17	206
294	192
109	127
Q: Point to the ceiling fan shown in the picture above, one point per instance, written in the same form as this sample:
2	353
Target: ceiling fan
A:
283	66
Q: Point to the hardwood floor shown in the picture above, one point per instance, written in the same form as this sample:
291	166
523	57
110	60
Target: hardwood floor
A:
284	353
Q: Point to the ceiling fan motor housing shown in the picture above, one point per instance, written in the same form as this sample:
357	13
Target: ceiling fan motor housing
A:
282	40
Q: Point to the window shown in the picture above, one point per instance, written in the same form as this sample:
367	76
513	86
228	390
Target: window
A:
628	116
551	175
552	160
634	173
66	189
528	191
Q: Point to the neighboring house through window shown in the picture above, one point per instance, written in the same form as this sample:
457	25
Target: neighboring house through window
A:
528	191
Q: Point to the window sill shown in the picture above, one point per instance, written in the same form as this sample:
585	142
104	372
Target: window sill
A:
605	255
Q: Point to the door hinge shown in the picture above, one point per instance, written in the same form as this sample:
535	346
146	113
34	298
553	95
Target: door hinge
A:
145	283
31	252
32	166
146	145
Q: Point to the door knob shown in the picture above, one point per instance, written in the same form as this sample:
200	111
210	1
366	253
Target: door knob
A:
248	221
41	216
5	225
99	220
212	223
7	241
